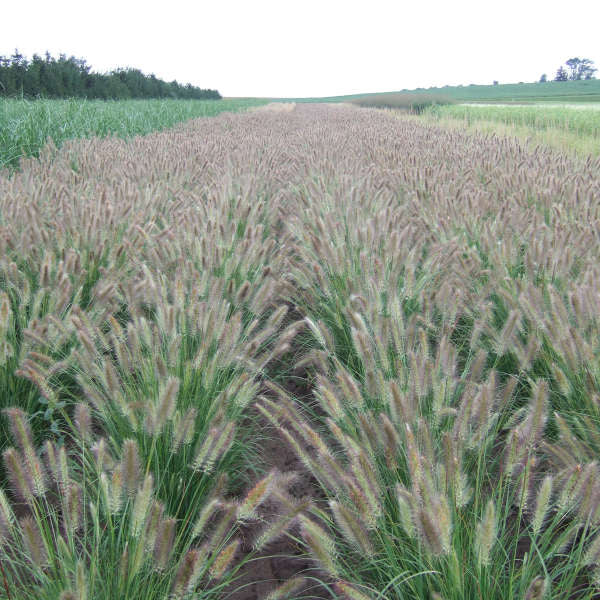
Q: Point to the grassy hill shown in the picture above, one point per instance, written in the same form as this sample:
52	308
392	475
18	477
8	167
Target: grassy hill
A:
552	91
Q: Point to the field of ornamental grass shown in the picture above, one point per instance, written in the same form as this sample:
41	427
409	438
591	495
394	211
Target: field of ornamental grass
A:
318	353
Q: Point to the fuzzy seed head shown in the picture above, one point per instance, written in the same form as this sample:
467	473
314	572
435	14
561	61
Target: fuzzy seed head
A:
73	508
83	421
116	491
141	506
205	515
102	456
184	580
163	546
130	467
221	446
592	555
354	531
486	534
431	533
5	314
19	475
350	592
152	523
183	429
537	589
20	429
7	517
223	560
287	589
255	497
406	512
166	404
321	545
542	504
34	543
81	581
278	526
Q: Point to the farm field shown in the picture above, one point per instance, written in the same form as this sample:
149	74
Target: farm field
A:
562	115
580	121
27	125
313	352
571	127
551	91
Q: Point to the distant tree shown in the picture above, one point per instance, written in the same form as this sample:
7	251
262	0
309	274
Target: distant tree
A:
543	78
561	74
70	77
18	66
580	68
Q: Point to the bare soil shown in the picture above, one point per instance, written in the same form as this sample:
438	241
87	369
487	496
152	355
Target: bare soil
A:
284	558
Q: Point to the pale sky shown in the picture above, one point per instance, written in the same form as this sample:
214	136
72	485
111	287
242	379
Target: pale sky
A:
311	47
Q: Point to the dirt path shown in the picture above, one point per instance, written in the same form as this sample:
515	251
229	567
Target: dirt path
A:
284	558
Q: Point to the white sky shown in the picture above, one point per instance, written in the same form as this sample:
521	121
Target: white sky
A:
311	47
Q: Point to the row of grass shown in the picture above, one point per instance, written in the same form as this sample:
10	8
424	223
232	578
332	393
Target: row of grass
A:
413	103
26	126
459	417
126	370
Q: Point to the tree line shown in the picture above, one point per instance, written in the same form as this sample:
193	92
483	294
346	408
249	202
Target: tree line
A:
574	69
70	77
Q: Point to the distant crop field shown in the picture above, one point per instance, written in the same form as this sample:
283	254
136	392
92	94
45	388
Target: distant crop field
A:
305	352
26	126
412	103
573	128
582	122
557	91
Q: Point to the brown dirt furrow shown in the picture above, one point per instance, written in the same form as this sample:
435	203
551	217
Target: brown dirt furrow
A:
284	558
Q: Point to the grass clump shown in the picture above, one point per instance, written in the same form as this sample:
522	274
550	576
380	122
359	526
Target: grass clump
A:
91	524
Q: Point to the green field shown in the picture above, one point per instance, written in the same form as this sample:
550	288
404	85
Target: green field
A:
571	129
554	91
583	122
26	126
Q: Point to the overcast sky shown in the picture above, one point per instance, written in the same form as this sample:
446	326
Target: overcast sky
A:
311	47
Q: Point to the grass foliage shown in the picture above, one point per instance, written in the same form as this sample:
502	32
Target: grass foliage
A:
412	103
551	91
458	414
579	121
445	316
26	126
568	128
130	356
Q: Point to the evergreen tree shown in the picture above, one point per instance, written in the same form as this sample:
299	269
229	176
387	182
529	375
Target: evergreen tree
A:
561	74
68	77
